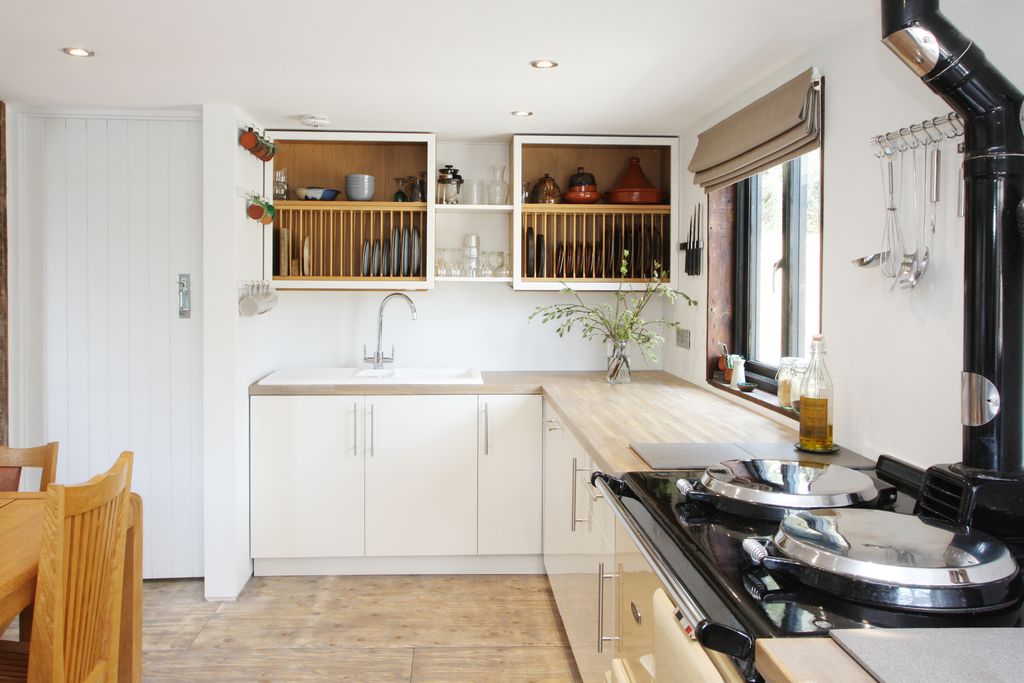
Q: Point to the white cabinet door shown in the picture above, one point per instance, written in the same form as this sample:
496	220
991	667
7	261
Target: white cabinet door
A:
576	551
510	475
421	475
306	476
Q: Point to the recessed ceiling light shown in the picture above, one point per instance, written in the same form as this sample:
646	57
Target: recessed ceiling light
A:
543	64
78	52
522	113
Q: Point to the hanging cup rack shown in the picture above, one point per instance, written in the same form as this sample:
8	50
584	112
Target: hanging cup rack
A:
928	132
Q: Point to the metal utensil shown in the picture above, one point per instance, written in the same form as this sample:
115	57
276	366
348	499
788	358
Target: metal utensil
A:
892	238
911	260
928	224
871	260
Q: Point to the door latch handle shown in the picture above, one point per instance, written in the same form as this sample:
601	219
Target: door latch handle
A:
184	295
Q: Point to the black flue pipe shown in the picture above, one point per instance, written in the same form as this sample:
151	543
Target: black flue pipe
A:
990	105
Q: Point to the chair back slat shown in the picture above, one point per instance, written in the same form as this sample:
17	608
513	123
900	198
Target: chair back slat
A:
78	593
12	460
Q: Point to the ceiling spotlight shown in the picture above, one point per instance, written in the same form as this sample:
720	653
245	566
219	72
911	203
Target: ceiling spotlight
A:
543	64
78	52
522	113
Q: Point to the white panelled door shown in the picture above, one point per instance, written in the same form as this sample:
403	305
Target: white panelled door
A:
118	204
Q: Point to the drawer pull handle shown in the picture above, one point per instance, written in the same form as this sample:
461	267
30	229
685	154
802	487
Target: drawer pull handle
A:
601	578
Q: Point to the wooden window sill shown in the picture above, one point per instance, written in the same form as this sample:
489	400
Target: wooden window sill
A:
757	396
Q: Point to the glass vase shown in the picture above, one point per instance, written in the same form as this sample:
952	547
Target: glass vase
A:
618	363
497	188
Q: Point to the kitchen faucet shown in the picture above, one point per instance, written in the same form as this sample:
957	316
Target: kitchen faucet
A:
379	359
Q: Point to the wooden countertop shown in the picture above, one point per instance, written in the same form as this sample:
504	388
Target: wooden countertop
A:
807	660
605	418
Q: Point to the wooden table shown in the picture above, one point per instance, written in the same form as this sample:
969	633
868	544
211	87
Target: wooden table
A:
21	530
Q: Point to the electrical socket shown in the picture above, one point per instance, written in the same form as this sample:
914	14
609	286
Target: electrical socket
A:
682	338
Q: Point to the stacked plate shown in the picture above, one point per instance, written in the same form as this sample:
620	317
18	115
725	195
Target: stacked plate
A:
360	187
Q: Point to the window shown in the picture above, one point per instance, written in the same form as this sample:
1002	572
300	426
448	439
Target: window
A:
778	265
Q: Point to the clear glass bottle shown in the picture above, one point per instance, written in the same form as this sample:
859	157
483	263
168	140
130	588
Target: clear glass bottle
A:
784	379
816	404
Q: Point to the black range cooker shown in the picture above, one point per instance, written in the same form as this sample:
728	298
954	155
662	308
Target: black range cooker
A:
754	548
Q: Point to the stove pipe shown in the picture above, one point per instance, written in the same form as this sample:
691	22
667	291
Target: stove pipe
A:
957	70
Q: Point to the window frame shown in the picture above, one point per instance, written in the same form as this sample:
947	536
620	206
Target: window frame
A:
794	263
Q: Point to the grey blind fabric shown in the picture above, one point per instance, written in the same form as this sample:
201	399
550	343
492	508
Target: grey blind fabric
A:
780	126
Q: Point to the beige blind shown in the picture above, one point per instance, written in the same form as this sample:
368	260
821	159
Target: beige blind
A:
780	126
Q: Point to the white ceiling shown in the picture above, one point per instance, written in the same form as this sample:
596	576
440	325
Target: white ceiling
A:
456	68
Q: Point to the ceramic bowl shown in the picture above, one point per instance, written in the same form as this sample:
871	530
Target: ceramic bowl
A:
583	194
320	193
746	386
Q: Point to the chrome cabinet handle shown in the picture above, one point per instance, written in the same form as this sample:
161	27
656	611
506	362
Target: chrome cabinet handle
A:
601	578
572	513
487	431
355	429
557	425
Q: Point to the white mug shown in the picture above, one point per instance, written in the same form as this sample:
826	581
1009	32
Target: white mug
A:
739	375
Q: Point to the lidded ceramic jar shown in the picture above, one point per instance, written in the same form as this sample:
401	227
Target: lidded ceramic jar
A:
546	191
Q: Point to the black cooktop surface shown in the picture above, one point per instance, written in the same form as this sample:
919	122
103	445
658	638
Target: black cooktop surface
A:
703	548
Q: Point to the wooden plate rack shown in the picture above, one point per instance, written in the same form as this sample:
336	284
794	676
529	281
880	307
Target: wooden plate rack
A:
584	243
337	233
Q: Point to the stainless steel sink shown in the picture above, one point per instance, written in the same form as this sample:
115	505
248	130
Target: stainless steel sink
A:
334	376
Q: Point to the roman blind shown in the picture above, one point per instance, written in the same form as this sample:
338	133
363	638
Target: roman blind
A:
778	127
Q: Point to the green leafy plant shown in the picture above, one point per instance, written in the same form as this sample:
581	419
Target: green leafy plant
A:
621	323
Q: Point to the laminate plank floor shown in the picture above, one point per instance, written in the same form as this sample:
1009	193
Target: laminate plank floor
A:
365	629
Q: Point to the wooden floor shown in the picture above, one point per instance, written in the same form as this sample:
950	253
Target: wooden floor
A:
366	629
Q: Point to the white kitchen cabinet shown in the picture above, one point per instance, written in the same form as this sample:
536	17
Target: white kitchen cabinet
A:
421	475
579	559
510	464
306	476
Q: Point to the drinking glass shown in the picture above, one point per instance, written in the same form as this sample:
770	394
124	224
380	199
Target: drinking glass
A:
502	269
455	268
473	192
486	264
441	267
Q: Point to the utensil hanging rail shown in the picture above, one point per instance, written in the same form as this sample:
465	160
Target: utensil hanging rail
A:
928	132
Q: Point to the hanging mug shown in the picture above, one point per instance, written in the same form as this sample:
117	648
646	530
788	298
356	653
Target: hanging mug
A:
249	139
268	213
256	209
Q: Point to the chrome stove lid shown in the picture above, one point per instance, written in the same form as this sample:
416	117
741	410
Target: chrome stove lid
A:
789	484
893	549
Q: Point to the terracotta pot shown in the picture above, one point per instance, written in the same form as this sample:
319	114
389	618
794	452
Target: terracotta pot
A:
582	194
634	196
633	187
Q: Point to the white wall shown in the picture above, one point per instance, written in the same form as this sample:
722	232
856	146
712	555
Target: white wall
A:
232	254
895	357
107	215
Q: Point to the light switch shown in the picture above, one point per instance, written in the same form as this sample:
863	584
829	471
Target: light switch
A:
682	338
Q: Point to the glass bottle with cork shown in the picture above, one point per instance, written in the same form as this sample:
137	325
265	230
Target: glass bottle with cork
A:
815	404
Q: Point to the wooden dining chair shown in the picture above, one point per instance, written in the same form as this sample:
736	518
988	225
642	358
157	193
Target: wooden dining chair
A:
12	460
76	629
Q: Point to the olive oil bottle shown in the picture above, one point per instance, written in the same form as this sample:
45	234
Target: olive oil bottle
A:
816	402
